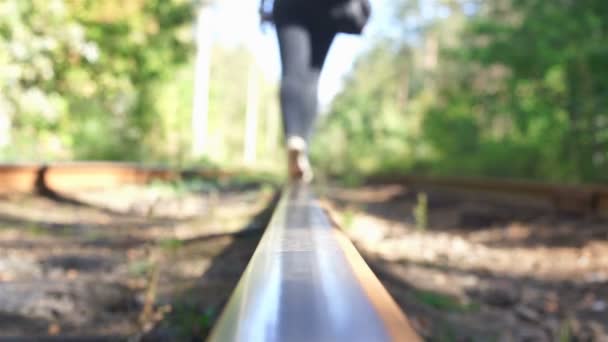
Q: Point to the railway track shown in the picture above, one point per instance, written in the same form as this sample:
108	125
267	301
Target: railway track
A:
305	281
29	178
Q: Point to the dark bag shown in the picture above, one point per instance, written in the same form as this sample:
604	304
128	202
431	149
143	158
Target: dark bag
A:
351	16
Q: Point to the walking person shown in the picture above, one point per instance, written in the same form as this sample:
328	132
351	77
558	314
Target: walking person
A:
305	31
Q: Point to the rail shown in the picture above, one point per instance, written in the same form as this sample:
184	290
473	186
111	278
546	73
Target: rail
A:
306	282
29	178
572	198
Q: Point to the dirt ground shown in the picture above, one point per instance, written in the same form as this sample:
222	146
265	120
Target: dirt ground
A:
128	264
468	267
158	263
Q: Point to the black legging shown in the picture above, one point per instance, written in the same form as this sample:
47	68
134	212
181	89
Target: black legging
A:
304	45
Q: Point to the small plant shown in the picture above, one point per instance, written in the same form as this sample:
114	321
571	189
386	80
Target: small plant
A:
93	235
445	303
170	245
352	180
564	331
267	189
140	268
37	230
446	334
191	321
41	230
348	219
421	212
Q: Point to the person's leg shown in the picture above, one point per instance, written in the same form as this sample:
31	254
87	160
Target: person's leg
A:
321	39
296	52
303	52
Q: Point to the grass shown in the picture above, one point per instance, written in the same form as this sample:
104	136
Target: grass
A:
351	180
190	321
348	219
94	235
564	331
39	231
195	184
182	187
140	268
420	211
36	230
170	245
444	303
247	178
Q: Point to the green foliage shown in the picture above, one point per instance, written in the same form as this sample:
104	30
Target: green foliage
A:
443	302
170	245
191	321
564	332
533	97
84	76
140	268
508	88
504	89
37	230
421	215
182	187
348	218
231	68
366	122
113	80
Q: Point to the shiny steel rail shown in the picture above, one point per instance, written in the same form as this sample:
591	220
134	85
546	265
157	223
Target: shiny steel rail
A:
306	282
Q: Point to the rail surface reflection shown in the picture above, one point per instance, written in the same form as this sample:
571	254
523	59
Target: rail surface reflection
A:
306	282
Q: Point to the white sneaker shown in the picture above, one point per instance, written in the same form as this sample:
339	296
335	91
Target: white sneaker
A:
298	164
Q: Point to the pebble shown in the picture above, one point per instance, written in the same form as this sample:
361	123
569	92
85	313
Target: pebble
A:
527	313
501	295
599	306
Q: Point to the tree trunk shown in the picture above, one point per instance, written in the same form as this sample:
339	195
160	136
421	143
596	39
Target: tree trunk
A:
251	122
5	129
201	81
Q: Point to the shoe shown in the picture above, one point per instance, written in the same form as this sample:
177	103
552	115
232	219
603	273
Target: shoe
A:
297	158
299	166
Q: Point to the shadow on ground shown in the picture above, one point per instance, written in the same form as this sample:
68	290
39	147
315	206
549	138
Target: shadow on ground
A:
78	272
197	304
497	307
468	213
482	269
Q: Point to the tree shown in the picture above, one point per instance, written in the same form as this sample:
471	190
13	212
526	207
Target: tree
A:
82	75
510	88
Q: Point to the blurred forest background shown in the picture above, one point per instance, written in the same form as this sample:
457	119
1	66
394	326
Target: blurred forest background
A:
501	88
